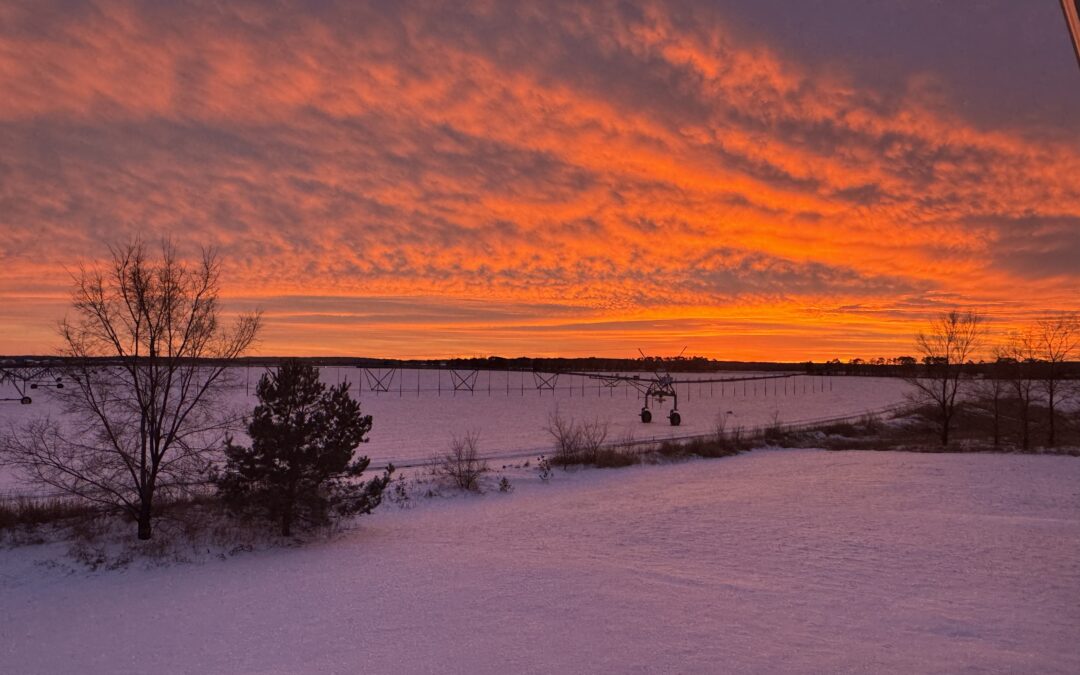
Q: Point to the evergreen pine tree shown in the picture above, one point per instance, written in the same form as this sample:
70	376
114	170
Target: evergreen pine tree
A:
301	465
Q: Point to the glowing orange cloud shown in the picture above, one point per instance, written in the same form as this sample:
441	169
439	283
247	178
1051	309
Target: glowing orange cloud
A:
476	178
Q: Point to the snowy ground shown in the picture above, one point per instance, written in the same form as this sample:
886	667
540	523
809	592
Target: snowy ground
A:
796	561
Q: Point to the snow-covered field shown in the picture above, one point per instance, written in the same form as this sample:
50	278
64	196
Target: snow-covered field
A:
511	414
774	561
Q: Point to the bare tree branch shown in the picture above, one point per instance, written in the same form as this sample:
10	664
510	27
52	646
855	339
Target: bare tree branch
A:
951	341
157	413
1056	340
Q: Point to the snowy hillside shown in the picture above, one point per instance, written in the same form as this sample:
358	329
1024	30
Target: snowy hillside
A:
795	561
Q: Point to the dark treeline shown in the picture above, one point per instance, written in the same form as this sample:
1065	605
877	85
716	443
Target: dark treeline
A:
909	366
900	366
686	364
682	364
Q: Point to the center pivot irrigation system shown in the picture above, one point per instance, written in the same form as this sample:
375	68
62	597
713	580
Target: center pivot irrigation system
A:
653	389
24	379
661	386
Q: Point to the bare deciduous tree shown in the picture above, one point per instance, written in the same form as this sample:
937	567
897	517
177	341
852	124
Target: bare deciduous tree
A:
991	394
143	421
1055	342
1020	355
951	341
592	437
576	442
567	436
462	465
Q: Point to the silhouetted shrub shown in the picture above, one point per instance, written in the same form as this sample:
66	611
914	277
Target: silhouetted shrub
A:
543	468
31	512
576	442
840	429
614	458
462	465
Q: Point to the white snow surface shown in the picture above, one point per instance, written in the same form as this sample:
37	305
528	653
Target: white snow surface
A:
773	561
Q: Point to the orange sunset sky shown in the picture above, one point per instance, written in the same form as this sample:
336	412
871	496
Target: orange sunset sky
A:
767	180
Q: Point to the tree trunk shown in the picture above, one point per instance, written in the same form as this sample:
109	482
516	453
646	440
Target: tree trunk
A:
286	521
144	519
1050	440
287	511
